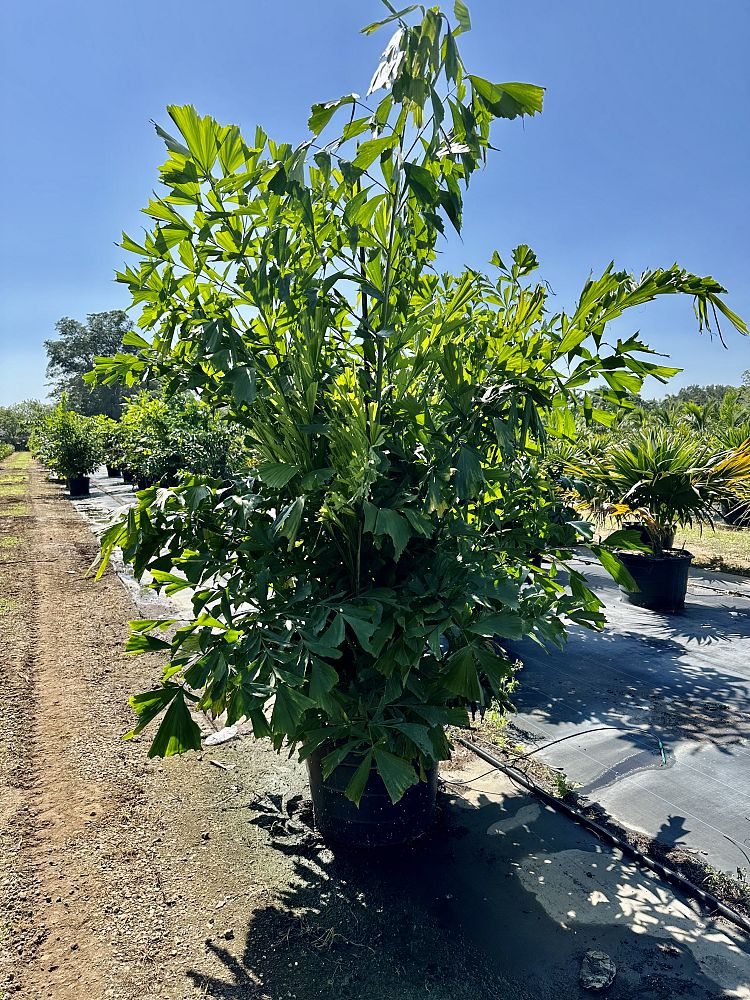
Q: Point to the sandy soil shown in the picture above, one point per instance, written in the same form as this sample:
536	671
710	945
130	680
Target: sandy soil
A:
122	877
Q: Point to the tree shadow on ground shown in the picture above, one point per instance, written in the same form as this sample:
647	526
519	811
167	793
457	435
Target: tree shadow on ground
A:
703	624
462	915
349	925
681	678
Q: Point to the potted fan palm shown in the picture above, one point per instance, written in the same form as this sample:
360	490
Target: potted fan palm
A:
736	509
351	587
655	481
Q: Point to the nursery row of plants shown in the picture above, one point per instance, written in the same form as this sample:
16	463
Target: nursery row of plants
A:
158	439
17	422
656	468
701	434
154	442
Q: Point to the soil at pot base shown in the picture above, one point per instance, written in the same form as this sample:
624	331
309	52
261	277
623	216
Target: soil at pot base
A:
78	486
662	580
377	822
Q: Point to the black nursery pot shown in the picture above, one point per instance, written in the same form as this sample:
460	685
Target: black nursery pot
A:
377	822
78	486
113	472
127	476
662	580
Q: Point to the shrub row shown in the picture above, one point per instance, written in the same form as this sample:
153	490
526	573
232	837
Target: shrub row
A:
155	442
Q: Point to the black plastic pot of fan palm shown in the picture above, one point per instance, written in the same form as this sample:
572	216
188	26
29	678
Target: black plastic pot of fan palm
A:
662	580
653	482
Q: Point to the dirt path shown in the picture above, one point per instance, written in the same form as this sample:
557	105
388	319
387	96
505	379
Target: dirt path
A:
77	851
108	879
125	878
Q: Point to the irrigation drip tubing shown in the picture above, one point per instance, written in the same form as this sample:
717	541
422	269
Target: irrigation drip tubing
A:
596	729
660	869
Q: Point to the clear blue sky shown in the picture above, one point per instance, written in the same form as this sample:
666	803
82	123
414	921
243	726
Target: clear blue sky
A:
641	154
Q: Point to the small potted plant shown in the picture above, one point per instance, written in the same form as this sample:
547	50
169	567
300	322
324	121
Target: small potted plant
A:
71	444
653	483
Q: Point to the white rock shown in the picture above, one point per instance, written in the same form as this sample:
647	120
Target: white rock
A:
223	736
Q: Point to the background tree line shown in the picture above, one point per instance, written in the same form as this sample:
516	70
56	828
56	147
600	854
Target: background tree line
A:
722	411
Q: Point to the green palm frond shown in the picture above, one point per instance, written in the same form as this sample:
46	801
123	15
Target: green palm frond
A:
663	478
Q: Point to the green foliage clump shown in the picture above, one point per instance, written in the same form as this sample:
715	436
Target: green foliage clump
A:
17	422
67	442
110	436
158	440
352	591
5	450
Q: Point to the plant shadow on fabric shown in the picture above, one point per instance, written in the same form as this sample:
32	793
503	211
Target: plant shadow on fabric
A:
425	921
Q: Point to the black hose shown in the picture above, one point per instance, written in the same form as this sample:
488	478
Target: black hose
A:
660	869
